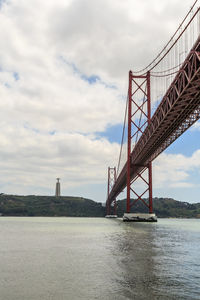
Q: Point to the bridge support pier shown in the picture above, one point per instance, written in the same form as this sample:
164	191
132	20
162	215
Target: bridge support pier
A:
139	217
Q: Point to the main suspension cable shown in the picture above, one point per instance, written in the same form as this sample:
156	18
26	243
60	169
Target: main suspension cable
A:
154	62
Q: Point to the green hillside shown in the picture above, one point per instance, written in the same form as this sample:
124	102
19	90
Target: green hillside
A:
12	205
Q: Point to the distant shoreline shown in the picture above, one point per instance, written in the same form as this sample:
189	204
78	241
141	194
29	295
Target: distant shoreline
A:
68	206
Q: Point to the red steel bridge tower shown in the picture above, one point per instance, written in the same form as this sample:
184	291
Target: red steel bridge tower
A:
138	85
139	116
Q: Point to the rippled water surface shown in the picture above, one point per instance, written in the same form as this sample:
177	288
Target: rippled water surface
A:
97	258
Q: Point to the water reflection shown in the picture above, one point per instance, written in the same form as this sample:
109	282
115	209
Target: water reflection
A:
135	253
155	263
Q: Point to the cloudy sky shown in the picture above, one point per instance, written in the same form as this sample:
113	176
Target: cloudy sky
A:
63	83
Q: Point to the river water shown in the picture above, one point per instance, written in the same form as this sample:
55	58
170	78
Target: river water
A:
97	258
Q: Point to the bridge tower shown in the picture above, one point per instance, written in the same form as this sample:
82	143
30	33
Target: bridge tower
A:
139	116
111	208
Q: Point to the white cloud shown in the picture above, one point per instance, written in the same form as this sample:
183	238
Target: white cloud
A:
196	126
175	170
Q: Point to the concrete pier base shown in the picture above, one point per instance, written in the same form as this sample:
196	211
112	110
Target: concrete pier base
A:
137	217
111	216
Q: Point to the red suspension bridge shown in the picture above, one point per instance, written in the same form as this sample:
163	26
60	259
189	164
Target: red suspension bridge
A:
172	79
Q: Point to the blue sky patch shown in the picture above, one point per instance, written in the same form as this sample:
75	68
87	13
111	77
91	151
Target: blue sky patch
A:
186	144
16	76
28	127
113	133
1	3
92	79
7	85
53	132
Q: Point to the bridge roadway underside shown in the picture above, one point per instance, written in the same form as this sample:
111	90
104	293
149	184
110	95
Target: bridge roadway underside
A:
178	110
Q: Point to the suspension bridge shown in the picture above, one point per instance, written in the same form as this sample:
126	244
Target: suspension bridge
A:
170	88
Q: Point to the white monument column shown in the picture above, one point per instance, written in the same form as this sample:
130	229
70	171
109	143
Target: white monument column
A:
57	187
